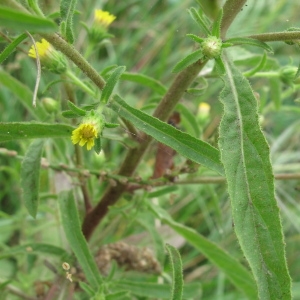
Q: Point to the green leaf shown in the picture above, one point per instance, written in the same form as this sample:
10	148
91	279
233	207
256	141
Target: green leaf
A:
198	19
15	131
69	114
67	8
245	155
249	41
258	67
97	146
12	19
111	82
186	145
111	125
118	296
11	47
36	248
72	228
157	291
30	176
21	91
152	83
216	28
219	65
235	271
76	110
187	61
195	38
176	266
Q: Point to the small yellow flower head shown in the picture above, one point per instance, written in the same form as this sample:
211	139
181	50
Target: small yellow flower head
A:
85	134
51	59
103	18
98	31
203	108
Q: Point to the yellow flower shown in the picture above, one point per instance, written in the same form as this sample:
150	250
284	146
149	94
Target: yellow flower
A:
42	47
85	134
103	18
51	59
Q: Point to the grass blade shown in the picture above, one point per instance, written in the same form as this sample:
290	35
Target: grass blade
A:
11	47
245	155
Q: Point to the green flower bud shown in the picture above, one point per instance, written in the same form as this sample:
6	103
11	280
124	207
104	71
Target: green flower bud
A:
212	47
50	105
287	74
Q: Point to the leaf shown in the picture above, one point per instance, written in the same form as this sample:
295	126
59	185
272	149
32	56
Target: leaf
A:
12	19
72	229
30	176
157	291
152	83
15	131
97	146
67	8
23	93
111	82
187	61
76	110
249	41
11	47
69	114
176	266
219	65
32	248
216	28
245	155
235	271
198	19
195	38
186	145
258	67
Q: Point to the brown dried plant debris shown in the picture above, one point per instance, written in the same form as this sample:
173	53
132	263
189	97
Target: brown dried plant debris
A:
131	258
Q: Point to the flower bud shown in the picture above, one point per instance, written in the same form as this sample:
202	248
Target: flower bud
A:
50	105
212	47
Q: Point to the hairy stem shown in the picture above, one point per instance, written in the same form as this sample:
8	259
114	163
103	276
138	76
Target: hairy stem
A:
230	10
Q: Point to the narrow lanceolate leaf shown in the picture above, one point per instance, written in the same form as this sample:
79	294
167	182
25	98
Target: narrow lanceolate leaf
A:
111	82
176	267
234	270
15	131
67	8
195	38
217	25
30	176
72	228
12	46
187	61
150	82
245	155
249	41
12	19
198	19
186	145
76	110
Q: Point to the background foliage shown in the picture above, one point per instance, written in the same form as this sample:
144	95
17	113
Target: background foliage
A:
189	207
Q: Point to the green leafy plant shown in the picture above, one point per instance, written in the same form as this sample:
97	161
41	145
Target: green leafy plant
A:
147	184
